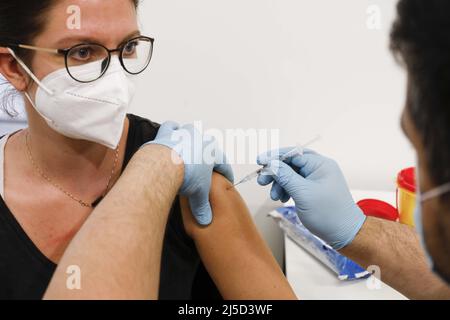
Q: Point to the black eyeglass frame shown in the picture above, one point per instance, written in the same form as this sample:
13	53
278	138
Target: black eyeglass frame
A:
66	52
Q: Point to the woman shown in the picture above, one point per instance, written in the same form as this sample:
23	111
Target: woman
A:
77	88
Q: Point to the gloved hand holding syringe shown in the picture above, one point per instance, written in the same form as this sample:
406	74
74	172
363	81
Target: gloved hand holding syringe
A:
298	150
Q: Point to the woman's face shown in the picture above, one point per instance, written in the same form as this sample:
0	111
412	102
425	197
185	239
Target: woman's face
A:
71	22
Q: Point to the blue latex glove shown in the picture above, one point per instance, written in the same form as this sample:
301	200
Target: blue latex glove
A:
320	192
199	165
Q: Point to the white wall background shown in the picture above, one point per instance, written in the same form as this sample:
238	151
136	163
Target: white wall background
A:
305	67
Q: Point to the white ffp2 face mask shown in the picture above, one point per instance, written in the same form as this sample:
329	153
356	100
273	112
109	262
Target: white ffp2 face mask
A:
92	111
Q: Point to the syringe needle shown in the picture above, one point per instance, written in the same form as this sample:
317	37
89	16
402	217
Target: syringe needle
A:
234	185
295	151
247	178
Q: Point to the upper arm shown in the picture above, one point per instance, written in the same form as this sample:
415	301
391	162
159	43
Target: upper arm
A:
232	250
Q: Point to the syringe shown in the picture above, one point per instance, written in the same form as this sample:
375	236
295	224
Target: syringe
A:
298	150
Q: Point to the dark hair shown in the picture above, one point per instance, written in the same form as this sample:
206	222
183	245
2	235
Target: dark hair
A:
420	40
20	22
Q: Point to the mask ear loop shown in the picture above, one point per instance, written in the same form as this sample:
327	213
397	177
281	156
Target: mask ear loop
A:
27	95
35	108
435	192
23	65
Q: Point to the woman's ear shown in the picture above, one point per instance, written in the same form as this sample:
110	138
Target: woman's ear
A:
11	70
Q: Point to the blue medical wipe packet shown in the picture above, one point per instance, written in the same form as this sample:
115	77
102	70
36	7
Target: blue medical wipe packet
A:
345	268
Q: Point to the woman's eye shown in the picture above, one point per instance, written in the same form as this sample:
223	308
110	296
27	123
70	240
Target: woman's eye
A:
130	48
81	53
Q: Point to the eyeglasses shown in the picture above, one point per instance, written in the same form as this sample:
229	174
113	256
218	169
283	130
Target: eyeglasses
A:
134	56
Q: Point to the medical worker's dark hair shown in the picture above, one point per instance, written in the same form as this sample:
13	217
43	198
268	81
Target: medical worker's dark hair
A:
20	22
420	40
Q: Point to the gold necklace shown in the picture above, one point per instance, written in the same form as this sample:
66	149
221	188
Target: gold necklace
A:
70	195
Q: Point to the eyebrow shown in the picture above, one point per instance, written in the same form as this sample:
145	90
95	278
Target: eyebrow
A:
87	39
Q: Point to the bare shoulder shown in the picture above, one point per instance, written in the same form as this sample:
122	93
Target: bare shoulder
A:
228	207
232	250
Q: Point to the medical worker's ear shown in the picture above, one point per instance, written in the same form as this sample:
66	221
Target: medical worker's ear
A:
11	70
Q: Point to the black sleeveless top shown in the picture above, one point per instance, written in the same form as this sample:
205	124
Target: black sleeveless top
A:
25	272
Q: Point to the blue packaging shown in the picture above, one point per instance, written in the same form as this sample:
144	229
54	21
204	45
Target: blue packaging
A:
345	268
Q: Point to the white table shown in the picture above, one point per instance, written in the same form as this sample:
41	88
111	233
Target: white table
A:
311	280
